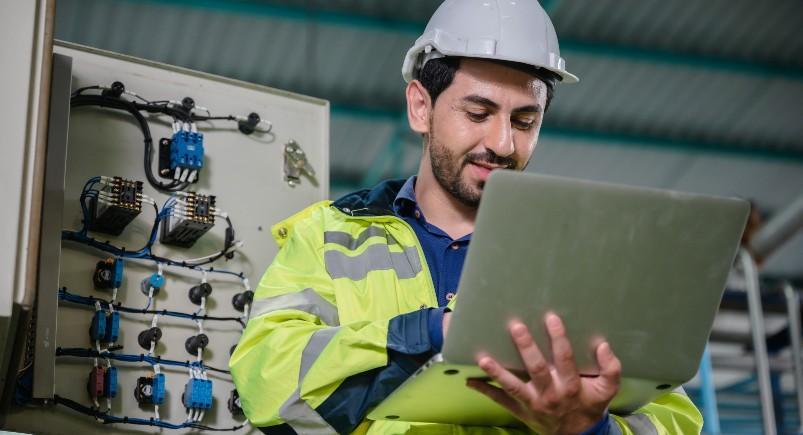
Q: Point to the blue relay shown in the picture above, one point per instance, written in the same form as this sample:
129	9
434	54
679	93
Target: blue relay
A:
112	327
187	151
198	394
117	277
97	331
110	382
158	389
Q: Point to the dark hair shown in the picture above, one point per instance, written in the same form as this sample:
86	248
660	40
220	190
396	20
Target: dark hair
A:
438	74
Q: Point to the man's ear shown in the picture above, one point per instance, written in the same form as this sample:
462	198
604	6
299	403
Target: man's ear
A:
419	107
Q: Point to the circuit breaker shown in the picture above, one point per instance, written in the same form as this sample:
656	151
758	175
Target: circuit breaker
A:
171	181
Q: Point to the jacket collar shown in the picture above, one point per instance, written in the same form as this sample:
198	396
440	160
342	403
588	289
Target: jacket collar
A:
377	201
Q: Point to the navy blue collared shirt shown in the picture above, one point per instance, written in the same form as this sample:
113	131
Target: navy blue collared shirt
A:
445	256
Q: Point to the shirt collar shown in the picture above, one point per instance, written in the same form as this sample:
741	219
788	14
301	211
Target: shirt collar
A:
405	201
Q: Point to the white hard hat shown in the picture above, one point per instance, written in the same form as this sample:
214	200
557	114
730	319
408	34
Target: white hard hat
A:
510	30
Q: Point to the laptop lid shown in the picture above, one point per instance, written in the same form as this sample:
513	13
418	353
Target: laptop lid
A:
643	268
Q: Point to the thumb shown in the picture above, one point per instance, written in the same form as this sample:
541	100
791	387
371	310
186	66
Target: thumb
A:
610	371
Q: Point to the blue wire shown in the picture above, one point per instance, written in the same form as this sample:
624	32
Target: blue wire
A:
90	301
92	353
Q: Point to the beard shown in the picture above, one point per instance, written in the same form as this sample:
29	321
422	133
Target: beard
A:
448	169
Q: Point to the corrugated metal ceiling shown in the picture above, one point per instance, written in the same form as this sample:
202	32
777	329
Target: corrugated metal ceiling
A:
699	95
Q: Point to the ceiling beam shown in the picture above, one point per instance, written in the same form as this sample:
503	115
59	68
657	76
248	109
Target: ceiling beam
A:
414	28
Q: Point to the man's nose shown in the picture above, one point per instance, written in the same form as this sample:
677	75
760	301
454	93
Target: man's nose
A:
500	137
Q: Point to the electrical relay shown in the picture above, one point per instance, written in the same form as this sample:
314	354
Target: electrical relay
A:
150	390
198	394
182	157
115	206
108	274
191	217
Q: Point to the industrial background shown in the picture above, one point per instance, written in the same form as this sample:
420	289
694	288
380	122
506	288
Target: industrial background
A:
692	95
703	96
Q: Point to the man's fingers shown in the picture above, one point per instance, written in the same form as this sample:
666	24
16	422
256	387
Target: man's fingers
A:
511	384
496	394
534	361
562	354
610	369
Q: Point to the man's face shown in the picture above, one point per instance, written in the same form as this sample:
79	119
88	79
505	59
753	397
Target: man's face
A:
489	118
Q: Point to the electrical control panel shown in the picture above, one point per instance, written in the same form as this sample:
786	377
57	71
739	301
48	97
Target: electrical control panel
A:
158	262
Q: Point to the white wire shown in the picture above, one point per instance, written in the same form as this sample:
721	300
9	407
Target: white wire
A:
201	416
150	297
156	412
114	297
234	247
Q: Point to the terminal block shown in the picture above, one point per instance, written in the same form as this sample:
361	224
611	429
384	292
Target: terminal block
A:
110	382
97	330
108	274
197	394
105	327
190	218
115	206
182	157
150	390
112	327
95	385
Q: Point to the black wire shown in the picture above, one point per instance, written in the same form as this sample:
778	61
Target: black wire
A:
213	118
215	429
106	418
133	108
216	369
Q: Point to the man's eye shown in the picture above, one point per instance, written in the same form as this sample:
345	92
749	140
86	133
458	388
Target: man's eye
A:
477	117
523	124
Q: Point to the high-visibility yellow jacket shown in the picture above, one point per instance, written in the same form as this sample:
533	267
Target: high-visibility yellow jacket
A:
339	320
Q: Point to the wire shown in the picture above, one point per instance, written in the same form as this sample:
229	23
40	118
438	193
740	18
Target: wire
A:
107	418
151	360
133	108
91	301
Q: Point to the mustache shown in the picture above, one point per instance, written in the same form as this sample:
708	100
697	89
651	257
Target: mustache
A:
490	158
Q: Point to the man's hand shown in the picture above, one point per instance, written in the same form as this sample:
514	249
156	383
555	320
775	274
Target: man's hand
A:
556	400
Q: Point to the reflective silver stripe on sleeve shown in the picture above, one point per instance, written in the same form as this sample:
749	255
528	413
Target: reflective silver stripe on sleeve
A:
347	241
306	300
641	424
406	264
296	412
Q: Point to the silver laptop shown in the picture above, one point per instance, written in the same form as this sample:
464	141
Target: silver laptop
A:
643	268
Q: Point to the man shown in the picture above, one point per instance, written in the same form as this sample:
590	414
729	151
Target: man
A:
356	298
